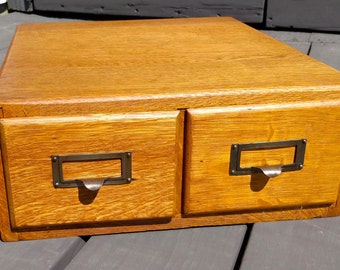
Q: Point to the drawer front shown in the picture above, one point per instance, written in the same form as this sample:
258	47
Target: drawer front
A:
54	168
275	168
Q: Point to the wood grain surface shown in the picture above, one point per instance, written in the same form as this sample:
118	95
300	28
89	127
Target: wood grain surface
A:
28	144
94	87
128	66
248	11
212	132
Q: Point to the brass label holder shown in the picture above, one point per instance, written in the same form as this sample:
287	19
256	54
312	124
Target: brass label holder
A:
270	171
91	183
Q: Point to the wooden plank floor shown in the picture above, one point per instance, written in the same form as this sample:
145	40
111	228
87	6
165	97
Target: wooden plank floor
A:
304	14
311	244
211	248
307	244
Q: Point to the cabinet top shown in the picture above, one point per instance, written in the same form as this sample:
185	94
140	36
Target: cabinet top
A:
161	64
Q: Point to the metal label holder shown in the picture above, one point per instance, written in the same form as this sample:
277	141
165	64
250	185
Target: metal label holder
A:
91	183
236	150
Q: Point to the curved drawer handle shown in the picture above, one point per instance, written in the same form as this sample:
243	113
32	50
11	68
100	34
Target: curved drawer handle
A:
92	184
270	171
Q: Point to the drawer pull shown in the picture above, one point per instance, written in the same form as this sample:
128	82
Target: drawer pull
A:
270	171
92	184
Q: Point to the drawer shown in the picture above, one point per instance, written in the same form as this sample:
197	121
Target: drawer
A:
90	169
287	157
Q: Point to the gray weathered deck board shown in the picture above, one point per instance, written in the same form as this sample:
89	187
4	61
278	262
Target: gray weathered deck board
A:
21	5
297	40
328	53
303	245
303	47
306	14
212	248
324	47
289	36
248	11
40	254
324	38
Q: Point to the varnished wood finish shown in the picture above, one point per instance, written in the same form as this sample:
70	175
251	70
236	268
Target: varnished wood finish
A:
6	233
121	66
29	143
174	223
177	93
212	132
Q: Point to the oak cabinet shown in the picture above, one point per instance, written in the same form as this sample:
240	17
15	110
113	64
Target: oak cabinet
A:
122	126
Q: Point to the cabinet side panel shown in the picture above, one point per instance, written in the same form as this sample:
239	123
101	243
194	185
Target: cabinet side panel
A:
5	227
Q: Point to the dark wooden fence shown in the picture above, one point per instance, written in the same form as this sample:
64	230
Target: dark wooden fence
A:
298	14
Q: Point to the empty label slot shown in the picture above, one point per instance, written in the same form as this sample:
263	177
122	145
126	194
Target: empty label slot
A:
264	157
92	169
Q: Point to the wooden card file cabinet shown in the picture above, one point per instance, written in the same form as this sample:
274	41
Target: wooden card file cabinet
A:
124	126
